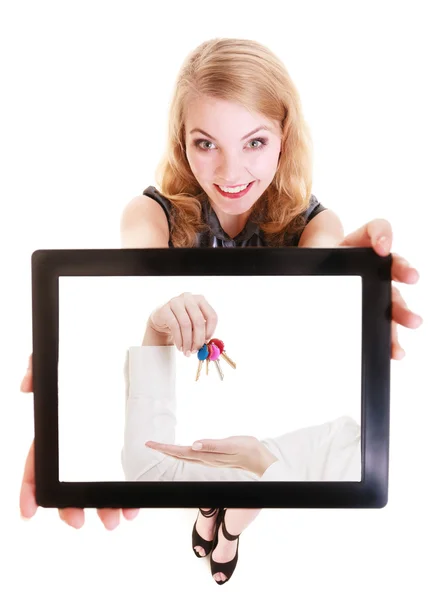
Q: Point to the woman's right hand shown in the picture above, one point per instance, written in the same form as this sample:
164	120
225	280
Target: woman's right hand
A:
188	319
110	517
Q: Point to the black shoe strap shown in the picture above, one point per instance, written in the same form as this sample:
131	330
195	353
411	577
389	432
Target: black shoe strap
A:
208	513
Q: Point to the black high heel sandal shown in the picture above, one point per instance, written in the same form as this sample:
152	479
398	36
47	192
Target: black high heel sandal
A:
226	568
197	539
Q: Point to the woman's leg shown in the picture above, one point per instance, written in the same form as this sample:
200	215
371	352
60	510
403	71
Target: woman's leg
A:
236	520
206	528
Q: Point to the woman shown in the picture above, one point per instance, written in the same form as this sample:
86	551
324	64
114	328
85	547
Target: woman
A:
235	121
328	452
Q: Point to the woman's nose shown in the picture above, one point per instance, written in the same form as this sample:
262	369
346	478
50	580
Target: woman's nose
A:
229	171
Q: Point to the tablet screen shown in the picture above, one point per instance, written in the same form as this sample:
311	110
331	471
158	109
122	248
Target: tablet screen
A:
296	343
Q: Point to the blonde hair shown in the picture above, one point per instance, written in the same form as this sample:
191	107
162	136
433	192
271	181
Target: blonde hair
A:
248	73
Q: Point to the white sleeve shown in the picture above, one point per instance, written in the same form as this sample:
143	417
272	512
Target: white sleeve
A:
277	471
326	452
150	411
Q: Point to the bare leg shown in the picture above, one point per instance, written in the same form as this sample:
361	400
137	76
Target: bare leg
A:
237	519
205	528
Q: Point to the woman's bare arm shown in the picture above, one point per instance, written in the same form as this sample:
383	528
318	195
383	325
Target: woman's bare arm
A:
323	231
144	224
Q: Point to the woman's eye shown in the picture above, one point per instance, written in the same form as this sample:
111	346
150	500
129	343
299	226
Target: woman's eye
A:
204	144
258	143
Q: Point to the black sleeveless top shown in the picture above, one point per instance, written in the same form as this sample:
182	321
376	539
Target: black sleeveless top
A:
251	235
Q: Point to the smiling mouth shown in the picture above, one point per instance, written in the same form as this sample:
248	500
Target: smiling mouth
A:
233	188
235	191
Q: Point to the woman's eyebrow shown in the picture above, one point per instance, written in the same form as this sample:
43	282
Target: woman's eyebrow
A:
243	138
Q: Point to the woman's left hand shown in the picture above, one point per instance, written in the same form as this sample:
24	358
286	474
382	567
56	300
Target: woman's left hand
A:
378	235
239	451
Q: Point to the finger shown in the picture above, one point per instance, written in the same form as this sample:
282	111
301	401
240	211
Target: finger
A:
402	271
397	351
376	234
27	381
179	452
186	454
210	316
171	449
130	513
72	516
171	321
198	323
217	446
380	234
400	312
110	517
178	307
181	455
28	506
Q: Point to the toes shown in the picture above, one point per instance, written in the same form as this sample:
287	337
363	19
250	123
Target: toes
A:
200	550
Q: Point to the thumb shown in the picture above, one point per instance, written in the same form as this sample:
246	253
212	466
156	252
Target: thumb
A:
219	446
381	235
157	320
210	446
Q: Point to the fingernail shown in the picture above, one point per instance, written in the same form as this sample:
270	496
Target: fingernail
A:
24	518
188	353
197	446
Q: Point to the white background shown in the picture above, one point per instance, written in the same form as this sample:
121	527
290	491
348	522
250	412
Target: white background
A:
85	92
273	327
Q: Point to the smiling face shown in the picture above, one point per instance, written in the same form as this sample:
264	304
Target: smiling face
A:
229	148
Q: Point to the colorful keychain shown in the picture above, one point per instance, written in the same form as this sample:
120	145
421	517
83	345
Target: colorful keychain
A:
212	352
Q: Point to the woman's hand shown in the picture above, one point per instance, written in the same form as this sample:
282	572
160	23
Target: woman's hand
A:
110	517
378	235
239	451
187	319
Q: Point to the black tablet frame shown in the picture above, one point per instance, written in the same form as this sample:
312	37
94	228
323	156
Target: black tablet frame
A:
375	271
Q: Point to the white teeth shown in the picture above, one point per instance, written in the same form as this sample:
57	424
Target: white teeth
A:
233	190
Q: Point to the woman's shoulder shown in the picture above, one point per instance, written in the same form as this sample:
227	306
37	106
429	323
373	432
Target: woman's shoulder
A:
314	208
145	217
152	192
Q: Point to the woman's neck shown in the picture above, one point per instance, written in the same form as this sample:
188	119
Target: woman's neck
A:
232	225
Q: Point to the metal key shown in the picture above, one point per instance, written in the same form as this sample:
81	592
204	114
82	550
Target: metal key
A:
223	354
202	355
214	354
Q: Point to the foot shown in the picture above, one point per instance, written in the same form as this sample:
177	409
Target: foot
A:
205	528
224	552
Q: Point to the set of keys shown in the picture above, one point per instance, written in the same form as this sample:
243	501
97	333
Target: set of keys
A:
212	352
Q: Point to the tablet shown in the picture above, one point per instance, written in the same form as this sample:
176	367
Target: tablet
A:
292	387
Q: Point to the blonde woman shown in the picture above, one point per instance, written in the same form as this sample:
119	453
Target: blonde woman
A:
237	172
